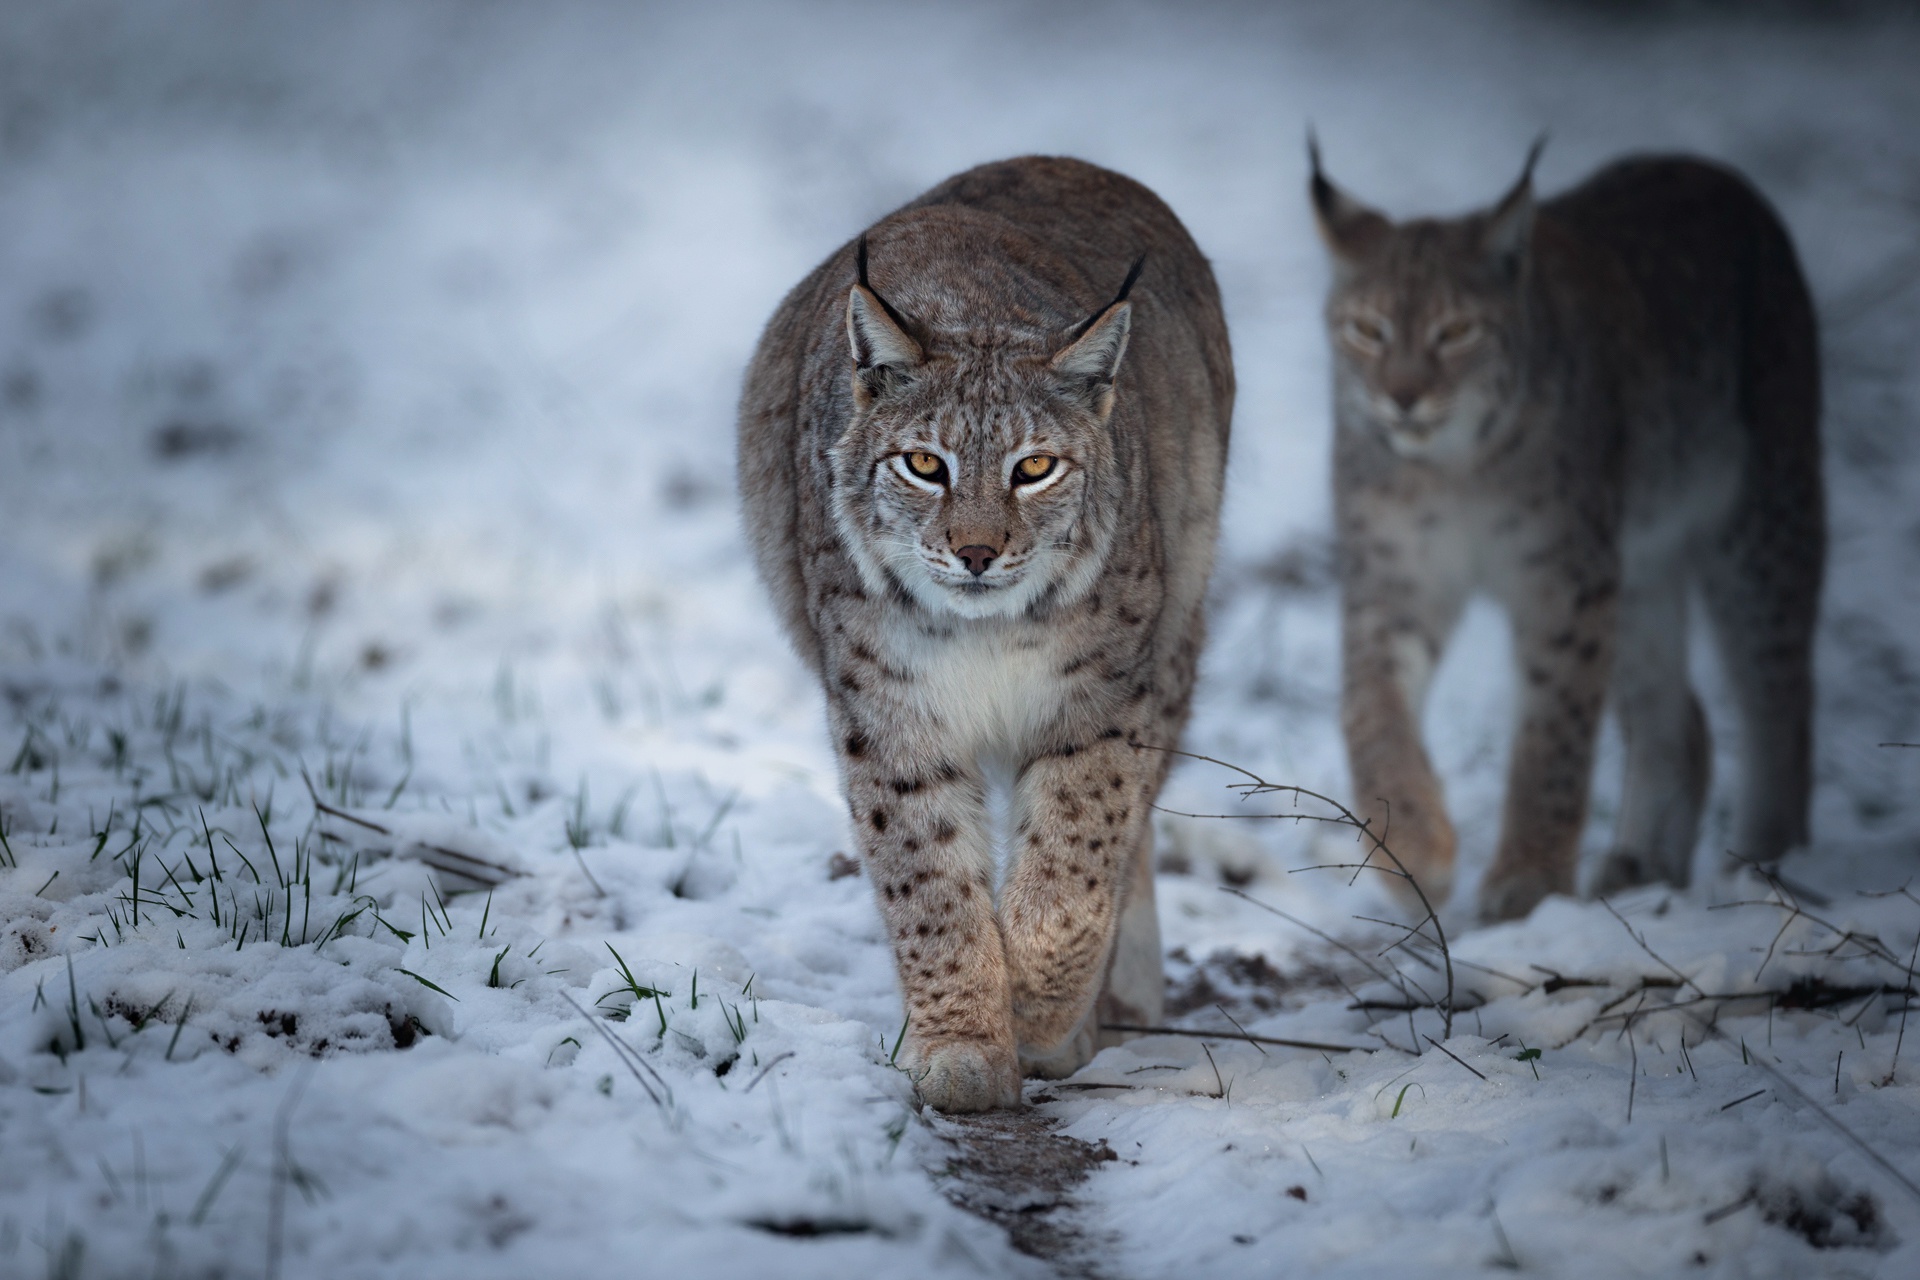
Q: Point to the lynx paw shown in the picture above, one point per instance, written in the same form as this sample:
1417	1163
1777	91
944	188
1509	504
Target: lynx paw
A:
1513	895
967	1075
1621	870
1424	850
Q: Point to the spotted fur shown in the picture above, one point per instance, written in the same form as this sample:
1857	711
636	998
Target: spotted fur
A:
983	324
1589	413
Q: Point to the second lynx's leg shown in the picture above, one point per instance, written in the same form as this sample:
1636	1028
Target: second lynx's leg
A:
1669	758
1763	598
1392	636
1761	578
1563	644
1080	820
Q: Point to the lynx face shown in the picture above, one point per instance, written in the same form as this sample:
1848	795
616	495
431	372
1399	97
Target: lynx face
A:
979	484
1423	348
1426	321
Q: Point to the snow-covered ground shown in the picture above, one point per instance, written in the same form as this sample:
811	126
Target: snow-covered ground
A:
366	382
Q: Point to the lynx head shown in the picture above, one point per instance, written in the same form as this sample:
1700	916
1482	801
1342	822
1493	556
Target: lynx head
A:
978	474
1427	318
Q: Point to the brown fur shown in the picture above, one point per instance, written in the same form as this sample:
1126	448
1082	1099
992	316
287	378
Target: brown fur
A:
1588	413
987	331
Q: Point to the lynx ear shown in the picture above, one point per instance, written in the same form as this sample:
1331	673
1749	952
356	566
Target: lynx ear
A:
1508	233
884	354
1350	229
1090	363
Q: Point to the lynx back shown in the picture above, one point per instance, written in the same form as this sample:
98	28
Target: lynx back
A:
1590	412
981	452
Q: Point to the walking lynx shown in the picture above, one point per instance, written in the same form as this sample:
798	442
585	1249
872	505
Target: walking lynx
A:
1589	412
984	490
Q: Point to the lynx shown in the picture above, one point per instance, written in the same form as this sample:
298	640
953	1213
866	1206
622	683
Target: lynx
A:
1590	412
983	489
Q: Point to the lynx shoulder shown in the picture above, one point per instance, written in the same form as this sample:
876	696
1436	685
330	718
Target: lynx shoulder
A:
981	452
1589	411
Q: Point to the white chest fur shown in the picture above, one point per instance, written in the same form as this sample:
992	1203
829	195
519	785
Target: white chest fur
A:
986	686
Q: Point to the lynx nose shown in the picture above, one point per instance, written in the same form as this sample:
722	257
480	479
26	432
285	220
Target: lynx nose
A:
976	558
1405	398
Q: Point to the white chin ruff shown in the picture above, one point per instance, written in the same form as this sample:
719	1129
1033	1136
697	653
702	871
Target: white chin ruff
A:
992	602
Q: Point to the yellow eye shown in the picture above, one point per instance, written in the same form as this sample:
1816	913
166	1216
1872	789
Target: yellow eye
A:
1456	335
1036	466
925	465
1366	332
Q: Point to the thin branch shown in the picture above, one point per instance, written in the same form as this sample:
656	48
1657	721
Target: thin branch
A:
1396	979
1685	981
1780	1077
1250	1039
341	814
1242	1030
1456	1057
1345	817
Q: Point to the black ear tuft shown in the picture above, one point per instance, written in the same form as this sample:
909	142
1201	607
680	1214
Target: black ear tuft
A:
1350	229
1508	234
860	262
884	350
1126	287
1133	277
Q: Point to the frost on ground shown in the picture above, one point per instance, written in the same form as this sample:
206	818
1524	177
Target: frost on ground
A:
421	856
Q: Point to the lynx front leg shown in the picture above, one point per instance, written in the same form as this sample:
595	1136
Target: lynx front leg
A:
1082	818
1564	651
924	829
1392	639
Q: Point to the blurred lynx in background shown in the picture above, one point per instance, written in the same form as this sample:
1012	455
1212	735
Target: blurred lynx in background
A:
1590	411
984	492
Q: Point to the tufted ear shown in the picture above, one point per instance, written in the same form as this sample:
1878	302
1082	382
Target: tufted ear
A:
1508	232
884	353
1089	364
1350	229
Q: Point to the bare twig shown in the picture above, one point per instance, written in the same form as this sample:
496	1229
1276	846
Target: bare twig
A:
1456	1057
1685	981
1393	978
341	814
1778	1076
1633	1068
1345	817
1217	1083
1242	1030
1905	1005
1228	1035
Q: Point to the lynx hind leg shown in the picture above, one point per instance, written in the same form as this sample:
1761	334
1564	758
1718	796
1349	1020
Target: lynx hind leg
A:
1565	649
1762	590
1135	991
1761	577
1669	755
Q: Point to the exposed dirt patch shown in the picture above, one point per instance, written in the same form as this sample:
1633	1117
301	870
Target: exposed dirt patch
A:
1016	1170
1244	982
